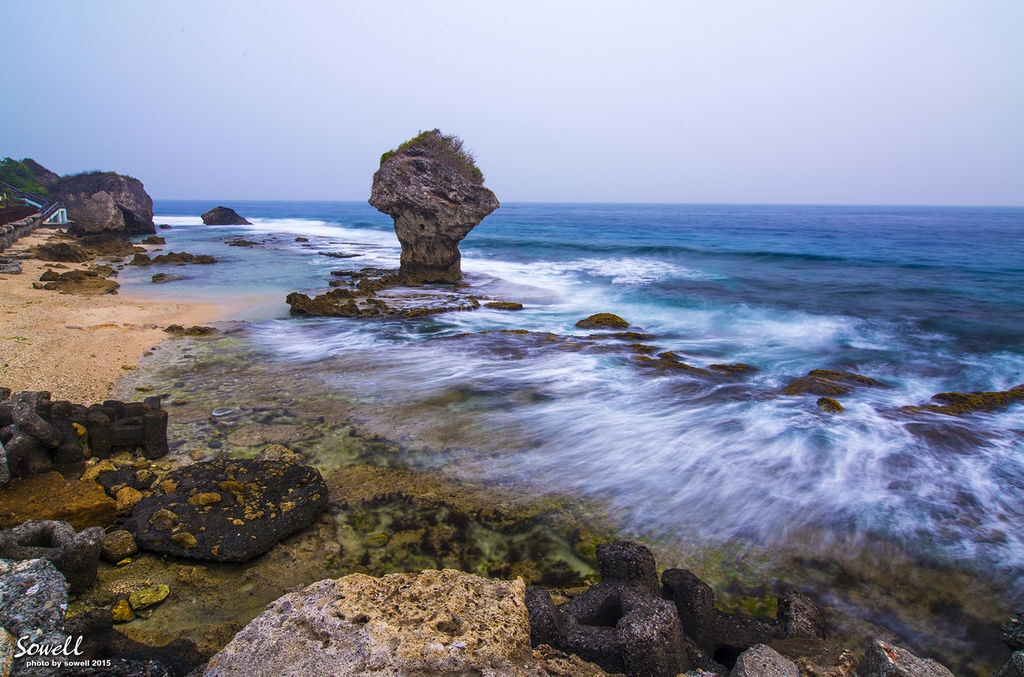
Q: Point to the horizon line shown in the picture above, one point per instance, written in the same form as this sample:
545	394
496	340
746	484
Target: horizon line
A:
633	202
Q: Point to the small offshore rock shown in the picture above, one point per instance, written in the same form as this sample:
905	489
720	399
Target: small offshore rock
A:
164	277
223	216
829	405
504	305
829	383
763	661
153	239
885	660
602	321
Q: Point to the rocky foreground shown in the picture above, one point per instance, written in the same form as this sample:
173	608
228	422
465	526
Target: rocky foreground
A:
89	493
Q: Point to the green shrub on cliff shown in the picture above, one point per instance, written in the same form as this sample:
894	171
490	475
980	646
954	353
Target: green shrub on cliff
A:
446	149
21	177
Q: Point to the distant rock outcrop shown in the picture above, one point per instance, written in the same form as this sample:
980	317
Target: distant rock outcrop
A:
101	205
224	216
434	192
106	205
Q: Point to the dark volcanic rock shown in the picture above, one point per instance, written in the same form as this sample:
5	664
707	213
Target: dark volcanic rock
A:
75	555
621	624
434	208
229	510
106	205
223	216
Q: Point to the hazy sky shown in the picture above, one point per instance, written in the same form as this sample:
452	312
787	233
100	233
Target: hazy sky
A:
820	101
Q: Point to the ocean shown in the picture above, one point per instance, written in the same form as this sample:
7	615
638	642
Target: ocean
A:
924	299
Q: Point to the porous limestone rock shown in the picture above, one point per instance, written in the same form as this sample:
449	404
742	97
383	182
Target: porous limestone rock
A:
223	216
33	601
434	207
763	661
428	624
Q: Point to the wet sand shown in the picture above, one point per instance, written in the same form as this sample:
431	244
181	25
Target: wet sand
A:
77	346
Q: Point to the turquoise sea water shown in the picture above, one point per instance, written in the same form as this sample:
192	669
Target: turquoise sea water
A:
924	299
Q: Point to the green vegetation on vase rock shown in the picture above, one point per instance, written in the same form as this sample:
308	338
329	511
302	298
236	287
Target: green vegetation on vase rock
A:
447	149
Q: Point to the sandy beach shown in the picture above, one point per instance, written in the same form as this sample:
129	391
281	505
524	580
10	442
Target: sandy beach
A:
77	346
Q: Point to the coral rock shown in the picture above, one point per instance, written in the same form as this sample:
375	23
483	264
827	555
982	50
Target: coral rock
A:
434	207
429	624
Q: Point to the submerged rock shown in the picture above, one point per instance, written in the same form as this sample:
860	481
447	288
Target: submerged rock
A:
829	405
223	216
958	404
829	383
49	496
228	510
429	624
434	193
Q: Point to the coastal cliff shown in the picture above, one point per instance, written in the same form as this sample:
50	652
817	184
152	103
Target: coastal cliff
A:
101	205
434	192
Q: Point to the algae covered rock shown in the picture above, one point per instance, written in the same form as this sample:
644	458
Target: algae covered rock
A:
602	321
433	190
49	496
260	503
829	383
429	624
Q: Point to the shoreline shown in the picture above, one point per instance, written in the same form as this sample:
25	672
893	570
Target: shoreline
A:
76	346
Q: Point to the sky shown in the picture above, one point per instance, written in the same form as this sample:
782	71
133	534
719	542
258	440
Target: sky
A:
814	101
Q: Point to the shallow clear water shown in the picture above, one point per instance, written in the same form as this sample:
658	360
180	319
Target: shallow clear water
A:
926	300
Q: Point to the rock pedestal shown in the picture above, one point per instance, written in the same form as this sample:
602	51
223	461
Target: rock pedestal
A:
434	208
